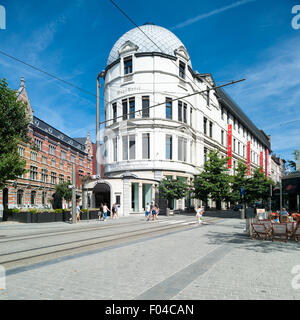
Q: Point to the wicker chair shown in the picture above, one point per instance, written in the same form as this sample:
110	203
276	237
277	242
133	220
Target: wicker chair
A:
267	224
290	228
280	232
259	231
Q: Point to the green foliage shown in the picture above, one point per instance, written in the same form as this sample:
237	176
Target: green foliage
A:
15	211
59	211
173	189
213	181
33	211
13	129
64	191
84	210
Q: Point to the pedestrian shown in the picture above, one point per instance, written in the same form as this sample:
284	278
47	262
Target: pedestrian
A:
199	214
116	211
78	211
100	213
156	212
105	210
148	211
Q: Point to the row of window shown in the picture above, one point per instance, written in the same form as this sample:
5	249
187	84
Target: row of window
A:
33	157
44	176
128	67
33	194
129	147
239	127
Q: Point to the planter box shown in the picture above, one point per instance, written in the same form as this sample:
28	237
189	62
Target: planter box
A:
58	216
43	217
93	215
66	216
84	216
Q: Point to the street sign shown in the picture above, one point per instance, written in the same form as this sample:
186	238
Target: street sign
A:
242	192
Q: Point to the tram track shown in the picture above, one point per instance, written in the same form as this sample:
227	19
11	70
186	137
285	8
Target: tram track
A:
30	256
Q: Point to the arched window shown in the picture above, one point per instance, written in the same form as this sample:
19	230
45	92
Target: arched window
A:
33	197
20	197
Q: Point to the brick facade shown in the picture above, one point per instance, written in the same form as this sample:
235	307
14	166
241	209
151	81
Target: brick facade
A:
47	164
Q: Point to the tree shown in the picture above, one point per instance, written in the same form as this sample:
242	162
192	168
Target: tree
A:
62	191
213	181
14	124
258	187
173	189
238	181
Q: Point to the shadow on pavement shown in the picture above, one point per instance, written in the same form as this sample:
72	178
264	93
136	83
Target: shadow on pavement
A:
245	242
230	214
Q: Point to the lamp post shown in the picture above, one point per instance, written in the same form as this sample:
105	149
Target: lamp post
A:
98	152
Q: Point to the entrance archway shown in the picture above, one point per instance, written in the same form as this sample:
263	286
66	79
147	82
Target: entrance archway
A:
102	194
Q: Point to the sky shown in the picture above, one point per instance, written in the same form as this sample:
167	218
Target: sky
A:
231	39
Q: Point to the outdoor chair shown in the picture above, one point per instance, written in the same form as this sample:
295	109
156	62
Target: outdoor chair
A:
290	228
267	224
296	233
259	231
284	219
280	232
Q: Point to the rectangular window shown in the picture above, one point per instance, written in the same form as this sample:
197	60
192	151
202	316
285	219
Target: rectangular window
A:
182	149
168	147
125	147
179	111
33	156
184	113
52	150
61	166
72	158
125	109
21	151
38	143
145	107
222	113
205	154
63	155
114	107
53	177
228	117
132	147
61	178
44	175
168	108
239	147
222	137
33	173
146	145
115	146
80	162
44	160
205	126
128	65
207	96
132	108
191	117
233	145
210	129
181	70
244	151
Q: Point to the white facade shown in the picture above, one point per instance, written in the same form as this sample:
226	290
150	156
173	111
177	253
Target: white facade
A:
163	143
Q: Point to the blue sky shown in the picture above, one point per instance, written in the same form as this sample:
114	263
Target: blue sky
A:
232	39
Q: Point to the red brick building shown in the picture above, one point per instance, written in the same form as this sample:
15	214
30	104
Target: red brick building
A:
49	160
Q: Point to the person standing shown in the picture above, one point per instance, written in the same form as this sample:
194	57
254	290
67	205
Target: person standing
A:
100	213
156	212
147	214
105	210
116	211
78	211
199	214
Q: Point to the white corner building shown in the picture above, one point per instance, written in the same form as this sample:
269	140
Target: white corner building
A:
150	67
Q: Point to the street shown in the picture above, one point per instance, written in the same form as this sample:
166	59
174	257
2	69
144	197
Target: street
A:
130	258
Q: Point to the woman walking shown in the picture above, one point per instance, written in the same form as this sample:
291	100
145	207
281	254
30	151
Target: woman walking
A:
105	210
148	211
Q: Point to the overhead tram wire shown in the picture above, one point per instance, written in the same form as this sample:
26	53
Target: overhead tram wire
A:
176	99
51	75
126	15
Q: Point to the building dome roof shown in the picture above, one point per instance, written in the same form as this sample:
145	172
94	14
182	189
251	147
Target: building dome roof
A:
166	41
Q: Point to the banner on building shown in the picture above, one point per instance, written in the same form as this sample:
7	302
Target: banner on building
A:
229	147
267	162
248	158
261	163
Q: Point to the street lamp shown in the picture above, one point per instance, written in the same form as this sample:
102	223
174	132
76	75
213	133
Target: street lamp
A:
98	152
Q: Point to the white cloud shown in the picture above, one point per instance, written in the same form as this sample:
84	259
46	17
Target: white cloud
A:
209	14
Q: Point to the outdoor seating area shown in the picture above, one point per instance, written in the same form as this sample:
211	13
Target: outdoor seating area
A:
277	228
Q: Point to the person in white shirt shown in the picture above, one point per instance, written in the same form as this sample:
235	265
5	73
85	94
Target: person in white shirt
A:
148	211
199	214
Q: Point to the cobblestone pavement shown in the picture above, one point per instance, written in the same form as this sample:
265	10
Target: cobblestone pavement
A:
211	261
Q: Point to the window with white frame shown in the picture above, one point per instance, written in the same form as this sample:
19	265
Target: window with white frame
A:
38	143
33	156
146	146
128	65
52	149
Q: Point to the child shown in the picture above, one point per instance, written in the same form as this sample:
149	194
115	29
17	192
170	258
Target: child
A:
199	214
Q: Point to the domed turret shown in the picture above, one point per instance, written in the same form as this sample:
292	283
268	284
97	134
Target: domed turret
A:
152	38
